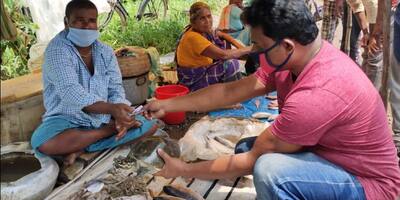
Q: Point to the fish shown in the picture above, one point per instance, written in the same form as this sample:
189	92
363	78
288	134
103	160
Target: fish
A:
234	106
273	117
217	147
261	115
94	186
273	105
181	192
273	108
257	102
271	97
224	141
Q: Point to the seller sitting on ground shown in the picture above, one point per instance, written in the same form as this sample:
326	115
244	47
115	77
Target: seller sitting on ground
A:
201	56
231	23
331	139
85	103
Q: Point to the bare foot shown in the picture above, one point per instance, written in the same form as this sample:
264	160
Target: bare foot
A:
70	158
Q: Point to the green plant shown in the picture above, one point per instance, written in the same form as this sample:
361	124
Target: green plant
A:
15	54
161	34
12	65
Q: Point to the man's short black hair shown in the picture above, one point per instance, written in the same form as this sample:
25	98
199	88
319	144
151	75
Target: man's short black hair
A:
281	19
78	4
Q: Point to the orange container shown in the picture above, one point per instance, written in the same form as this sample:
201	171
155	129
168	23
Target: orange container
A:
170	91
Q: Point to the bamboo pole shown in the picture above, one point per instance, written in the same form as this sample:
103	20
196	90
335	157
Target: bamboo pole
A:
386	51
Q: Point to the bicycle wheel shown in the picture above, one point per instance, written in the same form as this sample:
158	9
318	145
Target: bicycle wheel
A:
115	6
152	9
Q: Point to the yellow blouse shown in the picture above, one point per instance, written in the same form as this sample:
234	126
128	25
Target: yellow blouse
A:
190	48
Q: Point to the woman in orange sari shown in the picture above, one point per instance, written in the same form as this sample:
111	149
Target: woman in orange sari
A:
201	56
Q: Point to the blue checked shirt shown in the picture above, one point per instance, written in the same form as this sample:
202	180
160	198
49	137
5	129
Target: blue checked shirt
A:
69	86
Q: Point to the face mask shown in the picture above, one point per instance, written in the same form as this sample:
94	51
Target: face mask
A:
82	37
263	60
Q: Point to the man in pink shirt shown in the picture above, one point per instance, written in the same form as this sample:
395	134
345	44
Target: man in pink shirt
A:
331	139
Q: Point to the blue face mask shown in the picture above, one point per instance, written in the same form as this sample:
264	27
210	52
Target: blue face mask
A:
82	37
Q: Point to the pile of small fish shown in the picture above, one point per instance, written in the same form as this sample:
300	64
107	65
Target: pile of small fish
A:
208	139
129	176
120	182
273	105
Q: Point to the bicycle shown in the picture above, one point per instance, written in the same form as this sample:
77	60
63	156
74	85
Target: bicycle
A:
149	9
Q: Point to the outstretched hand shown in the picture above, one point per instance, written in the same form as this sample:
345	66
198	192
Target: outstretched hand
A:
154	109
172	168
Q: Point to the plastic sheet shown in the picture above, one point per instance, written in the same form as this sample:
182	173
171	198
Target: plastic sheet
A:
208	138
49	15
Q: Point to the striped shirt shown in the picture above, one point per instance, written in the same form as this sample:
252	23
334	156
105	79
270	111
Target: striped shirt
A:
69	86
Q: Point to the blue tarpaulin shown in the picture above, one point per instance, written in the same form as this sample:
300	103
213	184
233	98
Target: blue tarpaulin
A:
248	108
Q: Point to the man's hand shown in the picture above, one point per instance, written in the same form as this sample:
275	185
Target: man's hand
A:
339	8
121	112
123	119
365	39
172	168
377	36
122	129
154	109
374	46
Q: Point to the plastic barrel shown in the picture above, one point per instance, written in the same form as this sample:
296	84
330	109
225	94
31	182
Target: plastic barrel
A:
170	91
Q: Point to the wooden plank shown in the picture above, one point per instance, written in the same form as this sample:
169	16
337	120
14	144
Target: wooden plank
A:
182	181
21	88
20	119
155	187
244	190
201	186
220	192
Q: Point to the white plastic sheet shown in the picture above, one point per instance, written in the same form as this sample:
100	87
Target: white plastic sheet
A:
49	15
208	139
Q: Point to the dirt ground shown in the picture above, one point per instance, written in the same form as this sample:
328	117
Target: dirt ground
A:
178	131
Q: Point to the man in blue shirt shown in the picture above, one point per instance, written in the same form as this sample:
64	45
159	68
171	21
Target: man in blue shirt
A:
85	103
